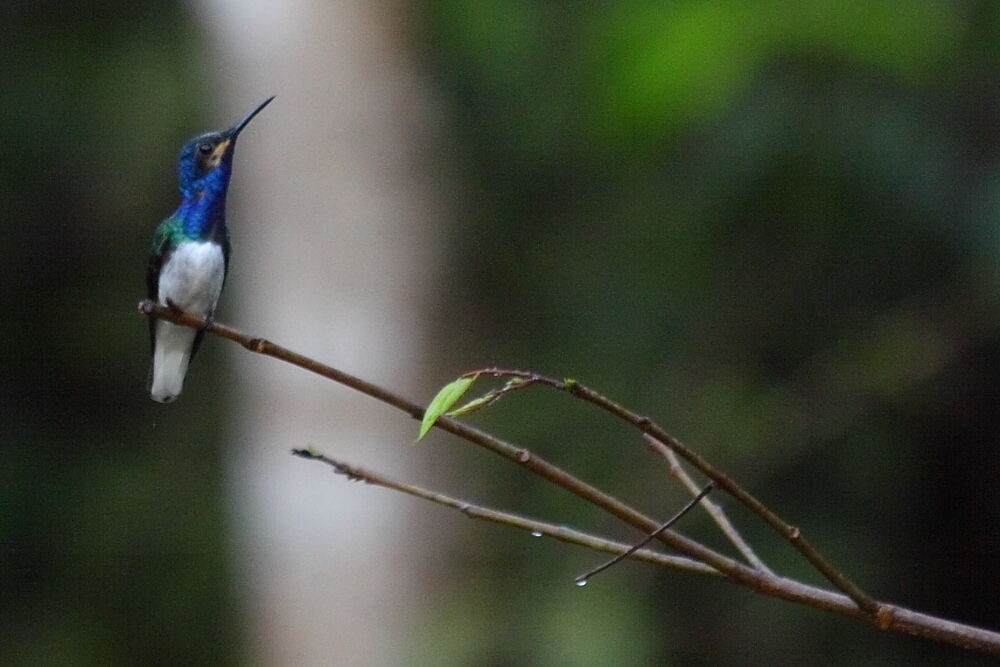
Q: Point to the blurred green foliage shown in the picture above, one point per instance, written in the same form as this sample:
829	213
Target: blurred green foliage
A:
771	226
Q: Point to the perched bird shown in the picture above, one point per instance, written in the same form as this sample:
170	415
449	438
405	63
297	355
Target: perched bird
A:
190	255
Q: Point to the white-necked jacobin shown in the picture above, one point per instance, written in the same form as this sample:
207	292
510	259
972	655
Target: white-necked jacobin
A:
190	255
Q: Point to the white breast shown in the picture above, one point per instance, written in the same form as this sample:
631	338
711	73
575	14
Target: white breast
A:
192	277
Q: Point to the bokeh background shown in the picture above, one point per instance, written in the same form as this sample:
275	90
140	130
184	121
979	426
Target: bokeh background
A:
774	227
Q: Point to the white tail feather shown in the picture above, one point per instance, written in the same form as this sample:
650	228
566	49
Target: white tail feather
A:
170	360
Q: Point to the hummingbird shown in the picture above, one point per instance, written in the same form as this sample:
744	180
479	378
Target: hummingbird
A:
190	255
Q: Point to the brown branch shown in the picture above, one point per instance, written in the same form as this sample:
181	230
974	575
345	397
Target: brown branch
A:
519	455
649	427
888	618
533	526
713	510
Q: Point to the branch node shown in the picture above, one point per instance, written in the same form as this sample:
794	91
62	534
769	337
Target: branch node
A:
794	533
884	617
523	456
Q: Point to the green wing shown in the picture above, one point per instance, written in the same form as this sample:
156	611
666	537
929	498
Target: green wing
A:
164	242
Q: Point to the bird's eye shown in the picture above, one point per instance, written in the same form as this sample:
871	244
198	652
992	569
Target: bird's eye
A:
204	149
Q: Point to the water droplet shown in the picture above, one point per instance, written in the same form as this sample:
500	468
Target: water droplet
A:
580	582
535	533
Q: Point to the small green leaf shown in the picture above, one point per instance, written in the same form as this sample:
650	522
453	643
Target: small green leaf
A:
446	397
474	404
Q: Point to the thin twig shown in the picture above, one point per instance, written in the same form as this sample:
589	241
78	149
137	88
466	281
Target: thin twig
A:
533	526
583	578
649	427
889	617
715	511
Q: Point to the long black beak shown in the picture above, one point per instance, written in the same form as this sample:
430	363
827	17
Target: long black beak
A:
232	132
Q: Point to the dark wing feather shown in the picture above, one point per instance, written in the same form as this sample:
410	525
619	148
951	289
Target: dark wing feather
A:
158	256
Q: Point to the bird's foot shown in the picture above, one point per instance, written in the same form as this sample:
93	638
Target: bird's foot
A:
173	306
209	322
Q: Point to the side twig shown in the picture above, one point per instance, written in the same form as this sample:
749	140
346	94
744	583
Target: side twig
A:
715	511
649	427
583	578
897	619
533	526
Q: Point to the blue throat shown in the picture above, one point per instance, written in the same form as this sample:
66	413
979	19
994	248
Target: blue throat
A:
203	209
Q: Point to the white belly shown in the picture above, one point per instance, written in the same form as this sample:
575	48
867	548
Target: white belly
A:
192	277
191	280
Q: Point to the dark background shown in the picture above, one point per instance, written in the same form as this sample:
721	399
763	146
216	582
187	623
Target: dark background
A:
772	228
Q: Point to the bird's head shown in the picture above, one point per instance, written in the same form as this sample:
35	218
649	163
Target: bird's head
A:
210	156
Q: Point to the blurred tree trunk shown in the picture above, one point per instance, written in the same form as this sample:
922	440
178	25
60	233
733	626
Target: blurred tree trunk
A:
331	219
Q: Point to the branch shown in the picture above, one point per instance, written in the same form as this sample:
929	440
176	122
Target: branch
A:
888	617
891	618
536	528
583	578
713	510
651	428
519	455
